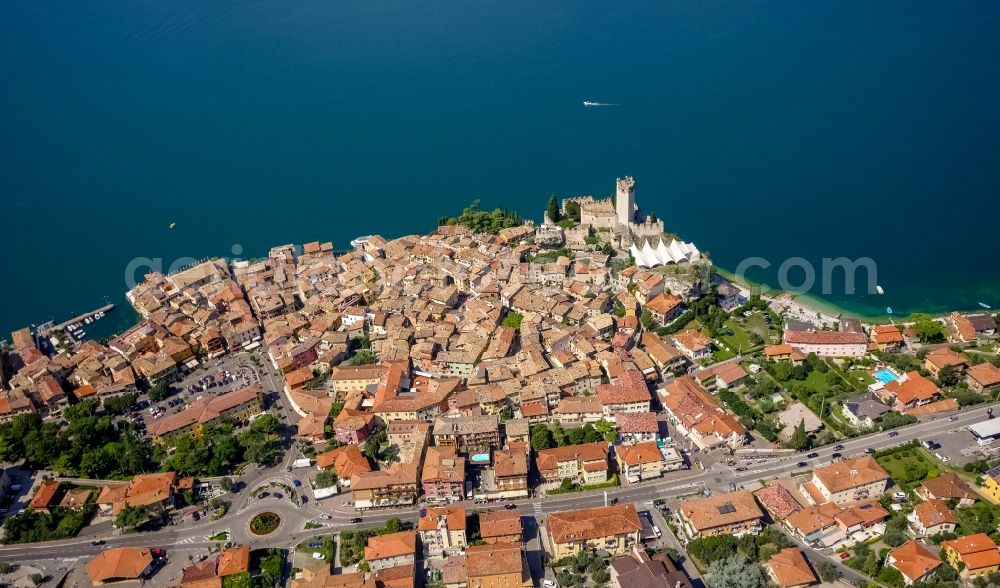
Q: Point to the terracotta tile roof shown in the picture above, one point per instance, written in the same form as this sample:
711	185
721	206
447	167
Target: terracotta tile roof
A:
548	459
948	486
850	473
398	474
986	374
915	388
692	340
814	518
353	420
725	509
778	501
500	523
443	463
943	357
628	387
510	462
640	453
865	514
977	551
887	334
45	494
391	545
791	568
934	512
84	391
75	498
347	460
395	577
200	575
577	405
147	489
824	338
593	523
454	518
943	405
696	409
119	563
493	560
234	560
728	372
204	410
637	422
664	303
776	350
913	560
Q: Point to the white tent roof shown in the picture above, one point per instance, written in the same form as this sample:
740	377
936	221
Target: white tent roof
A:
677	252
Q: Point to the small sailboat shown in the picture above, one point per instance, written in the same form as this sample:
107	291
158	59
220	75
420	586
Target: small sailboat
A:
984	305
172	225
879	289
888	310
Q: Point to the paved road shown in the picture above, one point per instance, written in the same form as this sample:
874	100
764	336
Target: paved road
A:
675	485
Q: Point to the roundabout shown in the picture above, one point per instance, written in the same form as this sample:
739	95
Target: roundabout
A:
264	523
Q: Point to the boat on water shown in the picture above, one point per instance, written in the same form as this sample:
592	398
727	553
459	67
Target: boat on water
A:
888	310
879	289
87	321
984	305
172	225
589	103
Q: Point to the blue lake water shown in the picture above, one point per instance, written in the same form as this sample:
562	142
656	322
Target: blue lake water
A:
753	128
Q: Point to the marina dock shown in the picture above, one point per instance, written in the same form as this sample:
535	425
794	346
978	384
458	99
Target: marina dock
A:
82	317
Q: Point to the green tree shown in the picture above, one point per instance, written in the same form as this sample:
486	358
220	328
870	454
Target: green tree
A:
325	479
130	517
799	439
552	211
735	571
513	320
827	571
607	430
541	438
240	580
572	210
949	376
895	532
159	392
393	525
928	330
226	484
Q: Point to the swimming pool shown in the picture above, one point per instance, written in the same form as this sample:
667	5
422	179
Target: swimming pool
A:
885	375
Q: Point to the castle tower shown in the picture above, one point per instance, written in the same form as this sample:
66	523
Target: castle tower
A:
625	201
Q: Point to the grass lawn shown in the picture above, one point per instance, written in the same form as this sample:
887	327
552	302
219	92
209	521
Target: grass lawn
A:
722	355
908	467
740	339
817	382
859	377
755	323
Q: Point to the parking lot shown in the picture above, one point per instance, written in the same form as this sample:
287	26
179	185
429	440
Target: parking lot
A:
211	378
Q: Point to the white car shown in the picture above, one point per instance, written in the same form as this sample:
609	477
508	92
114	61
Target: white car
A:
318	555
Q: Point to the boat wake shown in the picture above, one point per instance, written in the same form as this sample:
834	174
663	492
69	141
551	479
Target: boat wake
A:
588	103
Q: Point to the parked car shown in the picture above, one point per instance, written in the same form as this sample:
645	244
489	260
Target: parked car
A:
893	434
297	483
869	450
837	455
